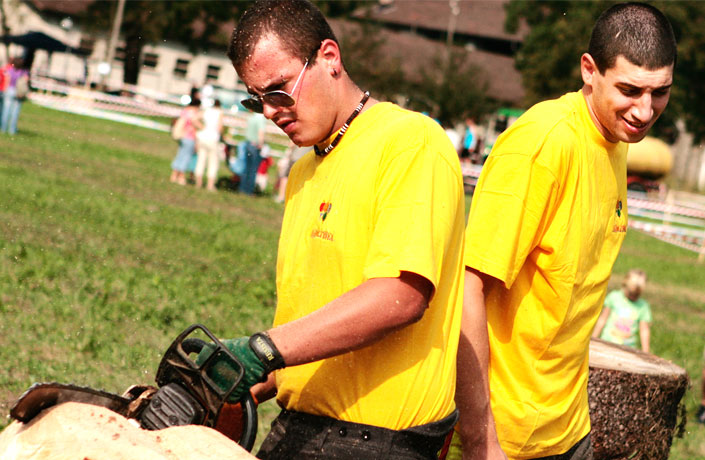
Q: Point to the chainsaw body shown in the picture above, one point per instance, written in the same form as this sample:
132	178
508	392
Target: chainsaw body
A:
186	393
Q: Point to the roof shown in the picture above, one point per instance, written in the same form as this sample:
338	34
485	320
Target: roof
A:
68	7
413	51
478	18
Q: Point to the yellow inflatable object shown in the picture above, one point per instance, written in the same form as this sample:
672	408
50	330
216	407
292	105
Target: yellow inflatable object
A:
650	158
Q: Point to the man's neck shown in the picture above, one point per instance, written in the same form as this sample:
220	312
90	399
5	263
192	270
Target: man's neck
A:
351	98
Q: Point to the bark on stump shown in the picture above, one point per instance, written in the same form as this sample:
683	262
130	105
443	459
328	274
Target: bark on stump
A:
635	402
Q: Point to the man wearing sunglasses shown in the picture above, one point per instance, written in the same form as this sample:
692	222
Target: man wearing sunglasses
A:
369	271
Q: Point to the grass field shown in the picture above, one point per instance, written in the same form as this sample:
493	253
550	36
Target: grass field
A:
103	262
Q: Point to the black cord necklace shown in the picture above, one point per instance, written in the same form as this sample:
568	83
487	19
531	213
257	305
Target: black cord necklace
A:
356	112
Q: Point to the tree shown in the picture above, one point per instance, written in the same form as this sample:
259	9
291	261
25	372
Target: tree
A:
688	93
366	62
451	89
338	8
559	33
549	56
446	86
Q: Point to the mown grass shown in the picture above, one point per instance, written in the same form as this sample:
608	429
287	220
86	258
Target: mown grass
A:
103	262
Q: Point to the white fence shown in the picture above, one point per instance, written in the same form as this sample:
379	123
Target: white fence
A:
132	109
678	218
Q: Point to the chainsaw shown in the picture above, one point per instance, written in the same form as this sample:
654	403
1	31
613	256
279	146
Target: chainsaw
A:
186	393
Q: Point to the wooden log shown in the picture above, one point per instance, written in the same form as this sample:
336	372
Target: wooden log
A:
635	402
72	431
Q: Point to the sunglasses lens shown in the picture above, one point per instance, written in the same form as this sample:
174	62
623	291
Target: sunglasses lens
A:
252	104
278	99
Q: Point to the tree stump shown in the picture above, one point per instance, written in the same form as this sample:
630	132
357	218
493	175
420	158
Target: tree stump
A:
635	402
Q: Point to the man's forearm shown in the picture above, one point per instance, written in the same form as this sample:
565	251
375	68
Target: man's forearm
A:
356	319
476	426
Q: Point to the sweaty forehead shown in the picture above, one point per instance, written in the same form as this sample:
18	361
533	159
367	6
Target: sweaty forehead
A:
267	65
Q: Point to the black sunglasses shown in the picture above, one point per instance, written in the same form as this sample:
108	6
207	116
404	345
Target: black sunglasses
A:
276	98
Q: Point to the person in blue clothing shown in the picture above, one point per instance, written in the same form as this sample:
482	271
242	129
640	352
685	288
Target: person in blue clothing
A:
15	93
254	141
470	140
626	316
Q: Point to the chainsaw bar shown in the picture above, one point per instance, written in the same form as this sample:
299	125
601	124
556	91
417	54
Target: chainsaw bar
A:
47	394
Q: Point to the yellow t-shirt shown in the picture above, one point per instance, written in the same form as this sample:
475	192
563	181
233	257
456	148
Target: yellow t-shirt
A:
388	198
547	218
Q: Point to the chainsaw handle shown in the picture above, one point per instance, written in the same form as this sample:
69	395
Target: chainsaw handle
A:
193	345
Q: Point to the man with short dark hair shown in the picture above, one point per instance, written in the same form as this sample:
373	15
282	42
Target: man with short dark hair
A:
546	223
369	273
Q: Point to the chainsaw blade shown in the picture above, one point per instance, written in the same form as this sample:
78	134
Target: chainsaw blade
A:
43	395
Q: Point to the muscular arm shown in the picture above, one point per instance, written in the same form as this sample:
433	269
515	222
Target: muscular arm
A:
476	427
356	319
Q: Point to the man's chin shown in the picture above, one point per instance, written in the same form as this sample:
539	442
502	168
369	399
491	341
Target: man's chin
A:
633	138
301	142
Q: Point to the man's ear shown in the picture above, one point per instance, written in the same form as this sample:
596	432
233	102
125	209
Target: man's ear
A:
588	68
329	54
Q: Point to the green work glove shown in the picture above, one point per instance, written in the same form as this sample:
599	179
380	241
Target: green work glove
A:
258	357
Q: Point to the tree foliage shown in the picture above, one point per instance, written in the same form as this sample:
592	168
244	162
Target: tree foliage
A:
559	33
451	89
368	65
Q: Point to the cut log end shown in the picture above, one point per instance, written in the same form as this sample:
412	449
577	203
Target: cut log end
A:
635	402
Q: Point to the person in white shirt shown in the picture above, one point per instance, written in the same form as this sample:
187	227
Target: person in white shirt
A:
209	145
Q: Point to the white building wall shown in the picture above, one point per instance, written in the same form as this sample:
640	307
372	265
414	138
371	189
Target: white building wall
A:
162	79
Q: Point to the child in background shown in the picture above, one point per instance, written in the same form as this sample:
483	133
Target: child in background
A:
626	317
262	177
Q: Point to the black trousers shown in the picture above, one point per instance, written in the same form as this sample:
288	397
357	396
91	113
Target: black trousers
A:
296	435
582	450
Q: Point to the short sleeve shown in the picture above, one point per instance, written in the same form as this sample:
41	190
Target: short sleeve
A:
646	313
419	206
510	208
609	300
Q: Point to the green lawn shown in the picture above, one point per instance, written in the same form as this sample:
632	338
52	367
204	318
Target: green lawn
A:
103	262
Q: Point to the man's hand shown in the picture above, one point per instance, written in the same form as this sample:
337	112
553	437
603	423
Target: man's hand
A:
258	357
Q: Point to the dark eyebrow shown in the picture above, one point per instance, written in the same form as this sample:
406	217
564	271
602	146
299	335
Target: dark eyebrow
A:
625	85
630	87
272	87
275	86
